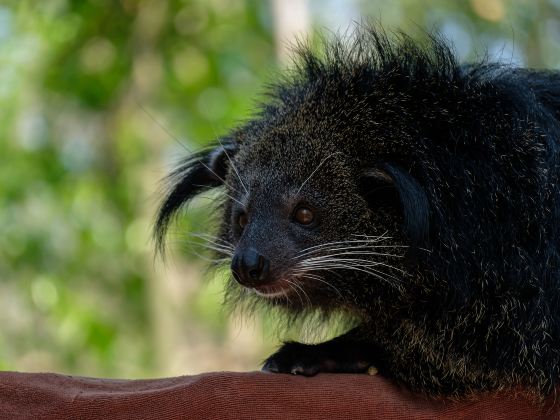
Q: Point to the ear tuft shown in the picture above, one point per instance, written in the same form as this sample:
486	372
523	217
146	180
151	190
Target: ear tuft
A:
195	174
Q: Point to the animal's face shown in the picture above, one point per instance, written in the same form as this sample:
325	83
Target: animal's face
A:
284	211
302	220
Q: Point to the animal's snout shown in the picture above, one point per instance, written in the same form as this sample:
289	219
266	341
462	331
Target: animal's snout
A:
250	268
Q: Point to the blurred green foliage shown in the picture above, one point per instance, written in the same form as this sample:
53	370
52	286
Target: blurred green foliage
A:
92	96
81	159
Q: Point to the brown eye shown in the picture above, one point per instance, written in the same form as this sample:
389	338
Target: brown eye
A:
304	216
242	220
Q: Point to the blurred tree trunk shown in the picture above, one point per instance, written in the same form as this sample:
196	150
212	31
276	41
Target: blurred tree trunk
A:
292	22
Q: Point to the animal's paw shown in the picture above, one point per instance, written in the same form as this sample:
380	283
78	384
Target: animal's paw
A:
295	358
308	360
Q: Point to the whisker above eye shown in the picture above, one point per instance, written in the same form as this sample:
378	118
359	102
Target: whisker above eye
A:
233	166
315	170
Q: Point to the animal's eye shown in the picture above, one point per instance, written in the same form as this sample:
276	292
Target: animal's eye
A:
304	216
242	220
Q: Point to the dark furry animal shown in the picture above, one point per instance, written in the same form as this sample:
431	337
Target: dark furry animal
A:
386	181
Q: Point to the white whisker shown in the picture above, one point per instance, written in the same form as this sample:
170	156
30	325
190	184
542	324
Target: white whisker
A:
316	169
305	274
214	240
365	269
219	177
206	258
375	238
365	250
354	242
361	261
374	273
233	167
226	193
295	290
349	266
382	254
163	127
219	249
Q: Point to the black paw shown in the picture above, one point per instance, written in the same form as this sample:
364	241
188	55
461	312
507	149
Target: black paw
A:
308	360
295	358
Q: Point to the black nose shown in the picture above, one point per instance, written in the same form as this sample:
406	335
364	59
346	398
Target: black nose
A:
249	267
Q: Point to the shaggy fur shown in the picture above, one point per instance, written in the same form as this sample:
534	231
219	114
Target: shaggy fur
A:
454	169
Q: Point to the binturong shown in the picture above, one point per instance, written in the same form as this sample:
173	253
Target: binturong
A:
382	179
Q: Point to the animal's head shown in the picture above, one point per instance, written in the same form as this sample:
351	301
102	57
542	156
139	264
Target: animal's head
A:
321	193
304	221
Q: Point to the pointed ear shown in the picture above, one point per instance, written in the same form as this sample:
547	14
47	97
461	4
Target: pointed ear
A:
199	172
389	185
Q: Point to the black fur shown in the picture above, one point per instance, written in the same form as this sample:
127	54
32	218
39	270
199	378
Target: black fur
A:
460	163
